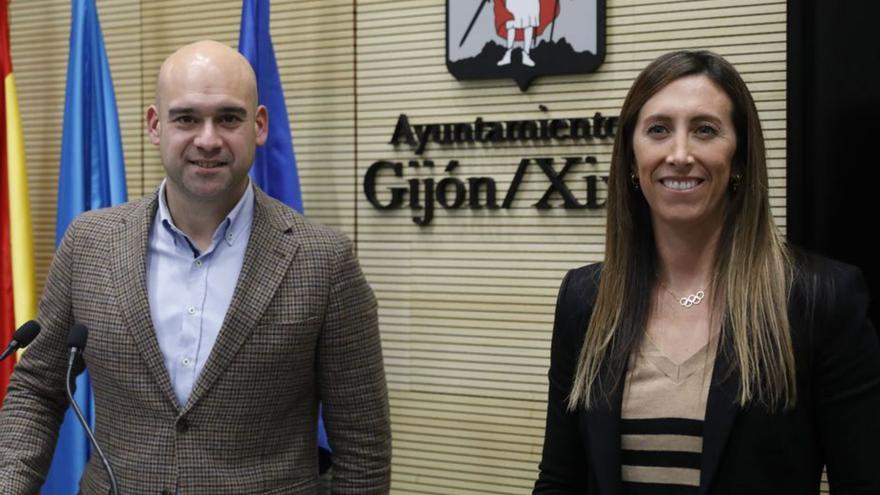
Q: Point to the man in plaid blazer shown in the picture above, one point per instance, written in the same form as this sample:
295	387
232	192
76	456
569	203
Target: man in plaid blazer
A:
299	326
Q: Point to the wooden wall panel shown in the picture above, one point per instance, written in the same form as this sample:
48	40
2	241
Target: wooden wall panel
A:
466	303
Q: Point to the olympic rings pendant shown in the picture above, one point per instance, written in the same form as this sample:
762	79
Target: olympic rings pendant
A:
692	300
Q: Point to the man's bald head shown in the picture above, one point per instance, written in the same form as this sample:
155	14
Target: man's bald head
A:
212	65
207	124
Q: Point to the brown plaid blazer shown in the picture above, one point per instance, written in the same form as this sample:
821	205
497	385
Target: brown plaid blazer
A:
302	327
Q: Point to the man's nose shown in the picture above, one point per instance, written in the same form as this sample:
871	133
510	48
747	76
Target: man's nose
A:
208	137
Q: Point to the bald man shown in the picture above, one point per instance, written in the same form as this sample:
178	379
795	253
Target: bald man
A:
218	319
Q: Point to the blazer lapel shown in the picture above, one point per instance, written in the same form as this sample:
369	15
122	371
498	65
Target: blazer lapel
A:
270	250
603	440
129	273
721	410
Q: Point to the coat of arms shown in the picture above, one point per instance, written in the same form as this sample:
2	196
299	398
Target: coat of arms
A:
523	39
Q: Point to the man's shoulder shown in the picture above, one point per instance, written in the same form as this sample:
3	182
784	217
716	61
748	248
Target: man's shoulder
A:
106	219
305	231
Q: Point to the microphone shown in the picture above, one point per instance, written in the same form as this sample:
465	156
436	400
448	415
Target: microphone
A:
21	338
76	342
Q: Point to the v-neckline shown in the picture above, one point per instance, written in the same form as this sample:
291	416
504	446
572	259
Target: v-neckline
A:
678	372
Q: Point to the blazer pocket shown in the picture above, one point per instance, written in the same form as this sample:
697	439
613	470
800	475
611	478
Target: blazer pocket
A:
279	332
284	347
304	486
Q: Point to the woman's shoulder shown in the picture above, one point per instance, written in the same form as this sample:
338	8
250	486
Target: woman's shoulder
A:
587	273
826	291
581	282
577	294
816	276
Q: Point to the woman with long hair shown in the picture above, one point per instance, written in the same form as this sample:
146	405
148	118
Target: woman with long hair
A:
705	355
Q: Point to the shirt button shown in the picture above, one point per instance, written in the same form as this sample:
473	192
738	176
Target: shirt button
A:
186	361
229	237
198	262
191	310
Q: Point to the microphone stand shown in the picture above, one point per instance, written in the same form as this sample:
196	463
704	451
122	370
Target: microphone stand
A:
114	490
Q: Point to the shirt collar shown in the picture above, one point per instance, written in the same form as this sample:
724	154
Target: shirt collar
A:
230	229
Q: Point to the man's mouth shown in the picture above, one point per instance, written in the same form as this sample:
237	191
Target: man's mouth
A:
207	163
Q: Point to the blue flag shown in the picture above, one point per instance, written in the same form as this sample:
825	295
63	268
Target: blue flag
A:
92	176
274	168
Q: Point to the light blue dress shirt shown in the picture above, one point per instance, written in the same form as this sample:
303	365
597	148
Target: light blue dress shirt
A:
190	291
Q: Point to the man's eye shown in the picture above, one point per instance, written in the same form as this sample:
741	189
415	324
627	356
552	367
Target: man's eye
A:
184	120
230	119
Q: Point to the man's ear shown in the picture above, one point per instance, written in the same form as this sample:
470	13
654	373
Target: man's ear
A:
153	124
261	124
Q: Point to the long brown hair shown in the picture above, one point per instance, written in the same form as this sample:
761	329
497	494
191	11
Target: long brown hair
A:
752	268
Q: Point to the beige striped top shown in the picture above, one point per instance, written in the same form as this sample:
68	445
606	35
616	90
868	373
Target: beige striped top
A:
664	405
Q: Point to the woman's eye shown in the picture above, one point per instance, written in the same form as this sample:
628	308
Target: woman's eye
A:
706	131
656	130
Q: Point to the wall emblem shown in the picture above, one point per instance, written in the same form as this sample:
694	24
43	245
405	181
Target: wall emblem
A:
523	39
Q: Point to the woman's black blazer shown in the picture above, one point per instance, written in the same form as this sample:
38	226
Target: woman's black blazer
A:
746	451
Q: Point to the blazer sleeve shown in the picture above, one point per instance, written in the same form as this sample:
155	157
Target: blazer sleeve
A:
35	400
351	382
563	463
847	387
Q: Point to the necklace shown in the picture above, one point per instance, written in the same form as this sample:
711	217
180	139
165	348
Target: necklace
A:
688	301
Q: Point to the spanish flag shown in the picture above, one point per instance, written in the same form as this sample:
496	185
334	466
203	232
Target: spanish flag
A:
17	288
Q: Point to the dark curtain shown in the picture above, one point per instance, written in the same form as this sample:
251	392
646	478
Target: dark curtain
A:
833	138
